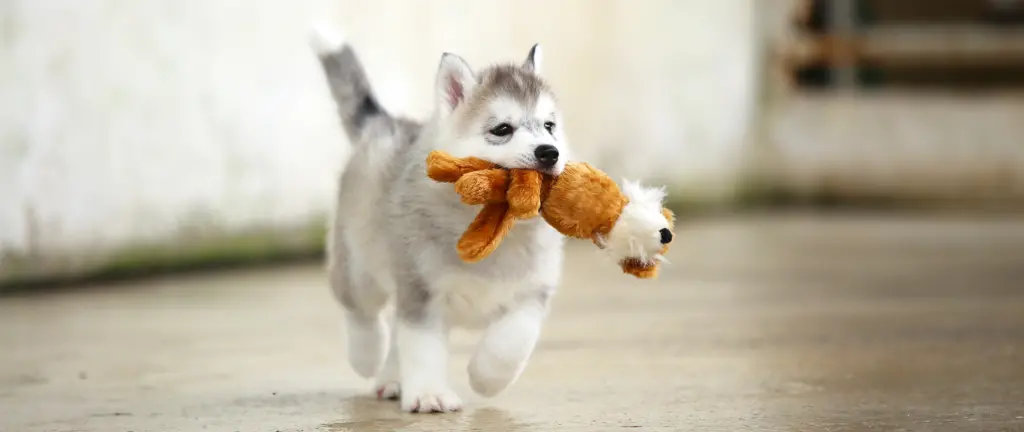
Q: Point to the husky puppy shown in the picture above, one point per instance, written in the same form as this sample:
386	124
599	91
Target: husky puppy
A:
391	249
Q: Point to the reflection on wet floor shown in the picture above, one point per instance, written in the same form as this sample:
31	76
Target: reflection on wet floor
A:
367	413
760	323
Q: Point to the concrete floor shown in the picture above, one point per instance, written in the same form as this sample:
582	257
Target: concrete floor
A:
762	323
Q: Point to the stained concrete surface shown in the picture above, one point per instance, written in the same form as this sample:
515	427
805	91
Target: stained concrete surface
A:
772	323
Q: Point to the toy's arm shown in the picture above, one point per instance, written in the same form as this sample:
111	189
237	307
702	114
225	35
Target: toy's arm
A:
445	168
480	182
519	188
485	233
506	195
483	187
524	192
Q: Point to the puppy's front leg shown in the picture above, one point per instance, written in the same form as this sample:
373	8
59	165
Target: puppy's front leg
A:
423	355
506	347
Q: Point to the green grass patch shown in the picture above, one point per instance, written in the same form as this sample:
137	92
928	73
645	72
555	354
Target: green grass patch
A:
210	251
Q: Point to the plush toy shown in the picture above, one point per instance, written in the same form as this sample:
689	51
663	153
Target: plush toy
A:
582	202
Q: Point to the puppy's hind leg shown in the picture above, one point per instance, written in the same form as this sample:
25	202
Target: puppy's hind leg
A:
363	300
388	384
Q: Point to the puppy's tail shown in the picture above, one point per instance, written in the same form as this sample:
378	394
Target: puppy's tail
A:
357	105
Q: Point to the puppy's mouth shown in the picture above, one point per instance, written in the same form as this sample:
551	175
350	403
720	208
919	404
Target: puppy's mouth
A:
553	171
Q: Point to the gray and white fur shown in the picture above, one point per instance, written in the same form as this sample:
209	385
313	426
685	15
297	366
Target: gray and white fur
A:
392	257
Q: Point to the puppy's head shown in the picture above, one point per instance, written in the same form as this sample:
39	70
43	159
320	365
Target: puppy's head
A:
504	114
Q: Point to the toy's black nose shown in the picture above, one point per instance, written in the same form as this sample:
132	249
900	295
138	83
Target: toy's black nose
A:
547	155
666	236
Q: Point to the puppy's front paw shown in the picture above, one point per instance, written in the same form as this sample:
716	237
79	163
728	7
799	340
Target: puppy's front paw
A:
430	401
504	350
490	375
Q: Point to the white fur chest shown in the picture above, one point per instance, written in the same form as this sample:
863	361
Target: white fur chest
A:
472	301
527	265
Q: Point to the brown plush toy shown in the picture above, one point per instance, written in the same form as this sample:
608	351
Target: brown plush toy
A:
582	202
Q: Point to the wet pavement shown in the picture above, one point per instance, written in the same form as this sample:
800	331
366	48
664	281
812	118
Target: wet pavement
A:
774	323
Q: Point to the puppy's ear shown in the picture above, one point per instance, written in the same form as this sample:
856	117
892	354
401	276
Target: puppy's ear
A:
455	81
534	59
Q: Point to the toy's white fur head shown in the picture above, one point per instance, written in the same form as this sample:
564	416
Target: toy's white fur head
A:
502	114
637	235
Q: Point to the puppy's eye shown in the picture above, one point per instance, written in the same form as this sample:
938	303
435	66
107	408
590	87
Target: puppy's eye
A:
550	126
501	130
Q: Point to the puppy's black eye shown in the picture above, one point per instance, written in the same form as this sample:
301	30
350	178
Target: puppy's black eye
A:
501	130
550	126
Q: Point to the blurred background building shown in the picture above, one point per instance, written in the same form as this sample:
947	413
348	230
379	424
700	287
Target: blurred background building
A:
895	102
149	134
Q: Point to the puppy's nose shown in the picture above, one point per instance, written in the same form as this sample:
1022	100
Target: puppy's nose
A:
547	155
666	236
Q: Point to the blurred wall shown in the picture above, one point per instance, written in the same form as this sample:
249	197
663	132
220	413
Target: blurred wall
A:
157	122
164	123
934	150
661	90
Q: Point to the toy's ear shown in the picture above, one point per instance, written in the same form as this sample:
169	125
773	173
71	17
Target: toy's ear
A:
634	268
534	60
669	216
455	81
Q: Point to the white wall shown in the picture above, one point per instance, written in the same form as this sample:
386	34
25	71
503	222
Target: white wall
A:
963	150
127	122
132	122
